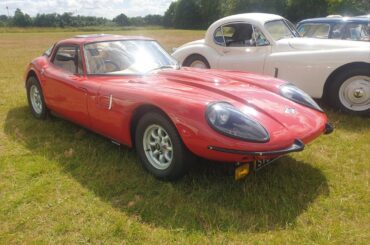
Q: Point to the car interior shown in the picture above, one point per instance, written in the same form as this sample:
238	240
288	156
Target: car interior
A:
235	35
68	59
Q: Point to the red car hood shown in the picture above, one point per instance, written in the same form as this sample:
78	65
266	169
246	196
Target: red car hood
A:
255	95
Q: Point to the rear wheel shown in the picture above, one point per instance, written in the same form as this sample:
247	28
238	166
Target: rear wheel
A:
160	148
196	61
349	91
35	98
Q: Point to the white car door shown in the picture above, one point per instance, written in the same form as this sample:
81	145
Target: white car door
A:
241	47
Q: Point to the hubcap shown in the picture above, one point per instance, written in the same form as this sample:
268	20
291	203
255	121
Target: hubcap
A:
35	97
354	93
198	64
158	147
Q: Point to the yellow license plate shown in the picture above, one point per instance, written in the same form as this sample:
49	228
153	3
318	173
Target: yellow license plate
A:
242	171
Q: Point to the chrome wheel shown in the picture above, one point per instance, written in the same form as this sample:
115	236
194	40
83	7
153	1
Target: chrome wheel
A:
354	93
35	97
198	64
158	147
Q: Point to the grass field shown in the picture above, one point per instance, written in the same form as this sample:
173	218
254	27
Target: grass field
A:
60	183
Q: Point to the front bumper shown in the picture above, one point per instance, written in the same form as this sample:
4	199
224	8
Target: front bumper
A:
298	145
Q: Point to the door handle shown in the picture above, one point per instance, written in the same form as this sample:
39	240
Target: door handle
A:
225	51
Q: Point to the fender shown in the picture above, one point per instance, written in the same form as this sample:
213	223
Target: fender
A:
197	48
310	70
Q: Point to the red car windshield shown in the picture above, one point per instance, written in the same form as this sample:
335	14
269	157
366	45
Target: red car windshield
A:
126	57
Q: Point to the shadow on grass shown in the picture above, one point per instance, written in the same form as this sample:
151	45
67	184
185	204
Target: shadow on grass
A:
206	200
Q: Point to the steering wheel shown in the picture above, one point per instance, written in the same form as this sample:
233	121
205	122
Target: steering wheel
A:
108	65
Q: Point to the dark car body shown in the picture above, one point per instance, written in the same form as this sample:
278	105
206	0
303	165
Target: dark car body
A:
347	28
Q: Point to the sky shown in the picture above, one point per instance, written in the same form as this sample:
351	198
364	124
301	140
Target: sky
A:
99	8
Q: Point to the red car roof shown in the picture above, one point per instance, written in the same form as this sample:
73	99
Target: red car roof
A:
83	39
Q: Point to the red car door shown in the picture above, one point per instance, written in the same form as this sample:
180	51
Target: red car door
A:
65	85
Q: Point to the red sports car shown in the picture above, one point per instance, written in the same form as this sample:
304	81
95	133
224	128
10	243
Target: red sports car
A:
131	91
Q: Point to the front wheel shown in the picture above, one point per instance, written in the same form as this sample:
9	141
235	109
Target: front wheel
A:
160	148
350	91
35	98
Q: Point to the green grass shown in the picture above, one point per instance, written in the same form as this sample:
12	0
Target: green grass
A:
60	183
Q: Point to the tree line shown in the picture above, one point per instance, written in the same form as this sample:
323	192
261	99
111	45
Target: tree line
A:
197	14
21	19
190	14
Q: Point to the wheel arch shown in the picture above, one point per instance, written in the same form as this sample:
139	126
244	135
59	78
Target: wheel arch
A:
31	73
203	50
342	69
195	54
139	112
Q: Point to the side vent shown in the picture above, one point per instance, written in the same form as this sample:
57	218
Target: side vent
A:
106	101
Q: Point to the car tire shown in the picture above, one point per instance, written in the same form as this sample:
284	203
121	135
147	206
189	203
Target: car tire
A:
160	148
196	61
35	99
349	91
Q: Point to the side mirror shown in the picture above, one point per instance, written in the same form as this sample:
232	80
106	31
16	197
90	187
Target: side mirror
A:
64	57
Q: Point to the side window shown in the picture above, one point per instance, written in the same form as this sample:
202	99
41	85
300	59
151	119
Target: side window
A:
260	38
314	30
357	32
68	58
219	37
338	31
238	35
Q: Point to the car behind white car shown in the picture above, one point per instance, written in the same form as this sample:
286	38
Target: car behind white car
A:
268	44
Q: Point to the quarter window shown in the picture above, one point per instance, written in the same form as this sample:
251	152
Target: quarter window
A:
68	58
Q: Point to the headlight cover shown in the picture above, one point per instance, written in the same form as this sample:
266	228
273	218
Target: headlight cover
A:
227	120
295	94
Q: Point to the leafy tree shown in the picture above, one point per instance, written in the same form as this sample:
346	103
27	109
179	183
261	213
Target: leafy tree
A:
21	19
349	7
153	20
137	21
187	14
169	15
302	9
210	11
121	20
46	20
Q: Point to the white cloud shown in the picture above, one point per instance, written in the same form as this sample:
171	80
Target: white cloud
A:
100	8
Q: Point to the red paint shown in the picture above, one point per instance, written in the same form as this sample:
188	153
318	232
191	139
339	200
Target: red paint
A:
183	95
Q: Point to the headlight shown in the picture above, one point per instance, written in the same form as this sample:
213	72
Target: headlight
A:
231	122
293	93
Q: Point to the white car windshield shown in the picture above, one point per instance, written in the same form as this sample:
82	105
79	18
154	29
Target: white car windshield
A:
280	29
126	57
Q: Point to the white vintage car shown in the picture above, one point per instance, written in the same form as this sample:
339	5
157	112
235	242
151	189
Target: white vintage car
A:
268	44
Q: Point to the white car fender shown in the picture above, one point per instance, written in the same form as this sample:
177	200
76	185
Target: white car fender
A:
310	70
197	48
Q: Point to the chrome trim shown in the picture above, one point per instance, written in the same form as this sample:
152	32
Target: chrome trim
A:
110	102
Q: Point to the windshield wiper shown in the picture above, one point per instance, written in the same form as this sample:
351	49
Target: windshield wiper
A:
164	67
